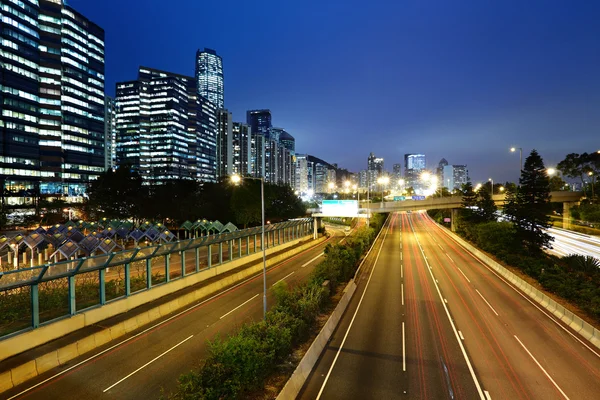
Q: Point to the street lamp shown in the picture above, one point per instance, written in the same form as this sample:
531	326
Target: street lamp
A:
590	173
491	180
478	187
70	211
513	149
331	186
501	188
236	179
383	181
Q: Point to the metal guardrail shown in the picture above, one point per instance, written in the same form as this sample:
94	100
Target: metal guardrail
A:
15	282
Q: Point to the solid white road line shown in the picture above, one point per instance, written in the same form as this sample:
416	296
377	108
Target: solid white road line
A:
461	271
486	302
247	301
487	395
461	335
291	273
462	348
354	316
148	363
542	368
403	349
307	263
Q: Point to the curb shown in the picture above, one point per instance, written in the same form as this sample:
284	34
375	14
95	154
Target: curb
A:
24	372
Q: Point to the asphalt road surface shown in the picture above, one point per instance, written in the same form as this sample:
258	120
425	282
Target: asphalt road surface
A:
429	321
150	360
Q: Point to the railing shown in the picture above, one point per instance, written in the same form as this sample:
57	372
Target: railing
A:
33	296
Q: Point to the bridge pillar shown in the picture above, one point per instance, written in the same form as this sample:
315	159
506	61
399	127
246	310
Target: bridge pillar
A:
567	213
453	219
316	226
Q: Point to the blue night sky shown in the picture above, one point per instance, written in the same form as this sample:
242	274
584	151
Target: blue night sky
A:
464	80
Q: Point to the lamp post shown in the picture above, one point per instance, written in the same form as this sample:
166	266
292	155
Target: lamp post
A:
591	174
513	149
70	210
236	179
384	180
491	191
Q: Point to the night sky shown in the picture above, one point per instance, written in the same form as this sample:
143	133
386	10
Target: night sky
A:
464	80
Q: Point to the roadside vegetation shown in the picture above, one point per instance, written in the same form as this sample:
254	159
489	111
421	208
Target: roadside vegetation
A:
519	239
240	363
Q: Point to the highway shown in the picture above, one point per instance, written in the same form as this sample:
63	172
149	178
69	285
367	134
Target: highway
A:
148	361
569	242
429	321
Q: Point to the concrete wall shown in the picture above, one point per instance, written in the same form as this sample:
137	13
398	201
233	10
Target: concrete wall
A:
28	340
296	381
586	330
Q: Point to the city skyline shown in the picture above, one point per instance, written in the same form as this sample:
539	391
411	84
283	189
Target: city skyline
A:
441	76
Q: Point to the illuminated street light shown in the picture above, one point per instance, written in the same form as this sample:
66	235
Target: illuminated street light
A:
401	182
513	149
236	179
383	181
491	180
478	186
347	184
331	185
502	188
550	171
425	176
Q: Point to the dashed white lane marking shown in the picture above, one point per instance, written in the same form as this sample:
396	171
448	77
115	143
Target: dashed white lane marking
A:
308	262
542	368
148	363
402	287
486	302
244	303
468	280
448	255
487	395
461	335
403	349
291	273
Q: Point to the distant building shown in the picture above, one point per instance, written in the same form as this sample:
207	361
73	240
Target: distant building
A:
313	174
363	180
164	129
224	143
439	172
110	133
414	165
209	77
257	154
288	141
454	176
396	174
259	121
375	169
241	145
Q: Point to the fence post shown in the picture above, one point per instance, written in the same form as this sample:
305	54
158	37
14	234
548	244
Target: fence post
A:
230	247
278	236
220	253
182	263
167	268
247	245
35	306
254	243
102	284
239	247
197	253
127	279
72	305
148	273
209	256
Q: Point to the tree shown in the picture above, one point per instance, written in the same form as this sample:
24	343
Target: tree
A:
469	202
117	194
575	166
246	203
532	207
486	208
557	183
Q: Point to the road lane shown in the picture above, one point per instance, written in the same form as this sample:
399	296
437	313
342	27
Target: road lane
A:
521	352
200	323
383	349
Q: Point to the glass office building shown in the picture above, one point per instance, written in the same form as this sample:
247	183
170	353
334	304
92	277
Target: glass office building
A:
209	77
52	96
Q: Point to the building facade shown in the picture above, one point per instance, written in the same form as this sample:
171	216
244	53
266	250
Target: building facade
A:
52	96
224	143
165	130
375	169
110	133
259	121
209	77
414	165
241	144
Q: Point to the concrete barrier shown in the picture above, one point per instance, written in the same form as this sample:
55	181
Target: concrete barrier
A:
24	372
296	381
575	322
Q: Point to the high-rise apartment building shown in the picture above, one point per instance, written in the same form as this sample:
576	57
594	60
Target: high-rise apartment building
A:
303	182
259	121
257	154
375	169
454	176
110	133
164	129
288	141
241	143
209	77
224	143
52	100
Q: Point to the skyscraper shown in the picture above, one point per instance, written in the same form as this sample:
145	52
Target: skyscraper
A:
224	143
288	141
259	121
164	129
240	141
374	170
209	77
414	164
52	94
110	133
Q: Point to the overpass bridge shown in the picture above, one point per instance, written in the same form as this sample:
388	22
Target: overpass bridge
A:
453	203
